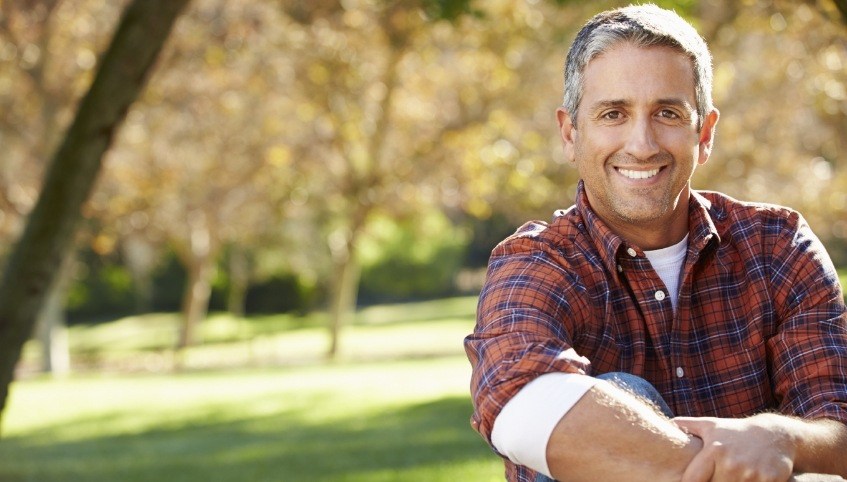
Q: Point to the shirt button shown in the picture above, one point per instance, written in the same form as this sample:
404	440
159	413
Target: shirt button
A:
660	295
631	252
620	269
680	372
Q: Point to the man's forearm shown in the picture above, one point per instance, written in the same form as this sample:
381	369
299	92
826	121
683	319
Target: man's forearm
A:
821	445
611	435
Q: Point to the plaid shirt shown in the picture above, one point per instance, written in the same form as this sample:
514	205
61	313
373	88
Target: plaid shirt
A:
760	323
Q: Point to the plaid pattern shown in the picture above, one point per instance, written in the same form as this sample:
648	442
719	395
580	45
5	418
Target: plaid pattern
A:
760	325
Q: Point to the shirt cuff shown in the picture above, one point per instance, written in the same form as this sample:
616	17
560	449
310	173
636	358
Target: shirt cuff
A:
523	427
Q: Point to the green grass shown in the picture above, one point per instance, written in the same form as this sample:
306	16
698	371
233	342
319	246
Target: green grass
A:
383	413
385	332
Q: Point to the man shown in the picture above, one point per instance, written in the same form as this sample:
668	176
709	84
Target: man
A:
731	311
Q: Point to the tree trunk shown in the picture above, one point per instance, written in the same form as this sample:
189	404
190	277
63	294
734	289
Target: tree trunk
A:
53	334
200	264
71	174
345	292
140	256
52	325
239	281
195	300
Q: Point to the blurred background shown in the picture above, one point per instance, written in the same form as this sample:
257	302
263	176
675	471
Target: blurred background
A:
282	252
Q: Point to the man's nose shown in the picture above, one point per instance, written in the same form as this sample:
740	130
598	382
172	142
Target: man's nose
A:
641	141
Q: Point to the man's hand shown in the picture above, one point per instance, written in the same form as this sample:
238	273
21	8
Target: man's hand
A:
749	449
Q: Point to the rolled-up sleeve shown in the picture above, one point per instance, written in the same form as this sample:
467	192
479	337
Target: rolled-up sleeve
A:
520	332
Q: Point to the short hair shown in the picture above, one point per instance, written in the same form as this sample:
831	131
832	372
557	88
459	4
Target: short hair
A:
643	26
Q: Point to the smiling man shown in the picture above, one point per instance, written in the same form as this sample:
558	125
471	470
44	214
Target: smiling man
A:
650	331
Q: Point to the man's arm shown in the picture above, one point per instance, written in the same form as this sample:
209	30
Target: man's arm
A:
765	447
610	435
822	448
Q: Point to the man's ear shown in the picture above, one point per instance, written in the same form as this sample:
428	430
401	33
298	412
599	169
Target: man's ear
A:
567	130
707	136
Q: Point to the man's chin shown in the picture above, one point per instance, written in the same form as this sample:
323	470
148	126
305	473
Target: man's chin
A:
636	215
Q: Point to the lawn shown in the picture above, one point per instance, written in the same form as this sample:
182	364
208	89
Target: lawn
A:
276	413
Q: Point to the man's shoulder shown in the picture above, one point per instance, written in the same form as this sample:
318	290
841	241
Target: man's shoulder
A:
731	213
558	234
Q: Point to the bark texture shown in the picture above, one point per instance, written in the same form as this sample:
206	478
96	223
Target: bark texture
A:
35	259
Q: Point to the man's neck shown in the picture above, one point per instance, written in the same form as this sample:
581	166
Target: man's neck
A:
658	233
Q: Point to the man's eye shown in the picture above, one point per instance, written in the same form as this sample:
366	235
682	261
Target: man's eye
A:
612	115
669	114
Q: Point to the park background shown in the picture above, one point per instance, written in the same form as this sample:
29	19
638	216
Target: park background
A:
279	261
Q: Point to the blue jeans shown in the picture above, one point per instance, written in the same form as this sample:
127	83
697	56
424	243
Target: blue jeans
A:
638	387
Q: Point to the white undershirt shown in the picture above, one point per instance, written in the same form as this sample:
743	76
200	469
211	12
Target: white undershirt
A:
667	262
522	429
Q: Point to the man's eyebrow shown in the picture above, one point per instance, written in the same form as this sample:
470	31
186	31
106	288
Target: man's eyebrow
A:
676	102
606	104
670	101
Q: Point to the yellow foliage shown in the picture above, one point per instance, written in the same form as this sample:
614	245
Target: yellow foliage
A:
278	156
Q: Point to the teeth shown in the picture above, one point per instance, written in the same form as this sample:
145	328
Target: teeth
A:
638	174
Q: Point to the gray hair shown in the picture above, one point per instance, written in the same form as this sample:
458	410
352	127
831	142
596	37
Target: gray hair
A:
643	26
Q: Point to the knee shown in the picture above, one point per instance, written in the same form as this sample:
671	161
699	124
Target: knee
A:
624	379
639	387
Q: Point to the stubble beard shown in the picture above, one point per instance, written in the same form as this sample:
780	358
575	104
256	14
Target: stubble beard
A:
644	209
642	205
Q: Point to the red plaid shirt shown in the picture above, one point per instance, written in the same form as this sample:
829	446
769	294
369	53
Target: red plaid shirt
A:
760	323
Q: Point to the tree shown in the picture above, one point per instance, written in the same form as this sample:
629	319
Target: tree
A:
52	223
224	162
202	162
401	113
47	61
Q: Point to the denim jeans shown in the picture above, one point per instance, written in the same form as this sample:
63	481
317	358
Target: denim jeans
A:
635	385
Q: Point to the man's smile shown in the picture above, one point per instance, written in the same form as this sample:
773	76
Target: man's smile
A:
632	174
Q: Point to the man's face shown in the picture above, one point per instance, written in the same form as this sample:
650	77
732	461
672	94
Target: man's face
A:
636	142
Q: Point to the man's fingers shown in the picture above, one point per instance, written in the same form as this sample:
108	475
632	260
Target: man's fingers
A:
701	468
693	425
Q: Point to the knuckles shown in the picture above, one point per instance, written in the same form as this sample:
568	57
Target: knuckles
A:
731	465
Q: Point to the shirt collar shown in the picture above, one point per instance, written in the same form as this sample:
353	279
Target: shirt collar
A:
701	225
701	230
